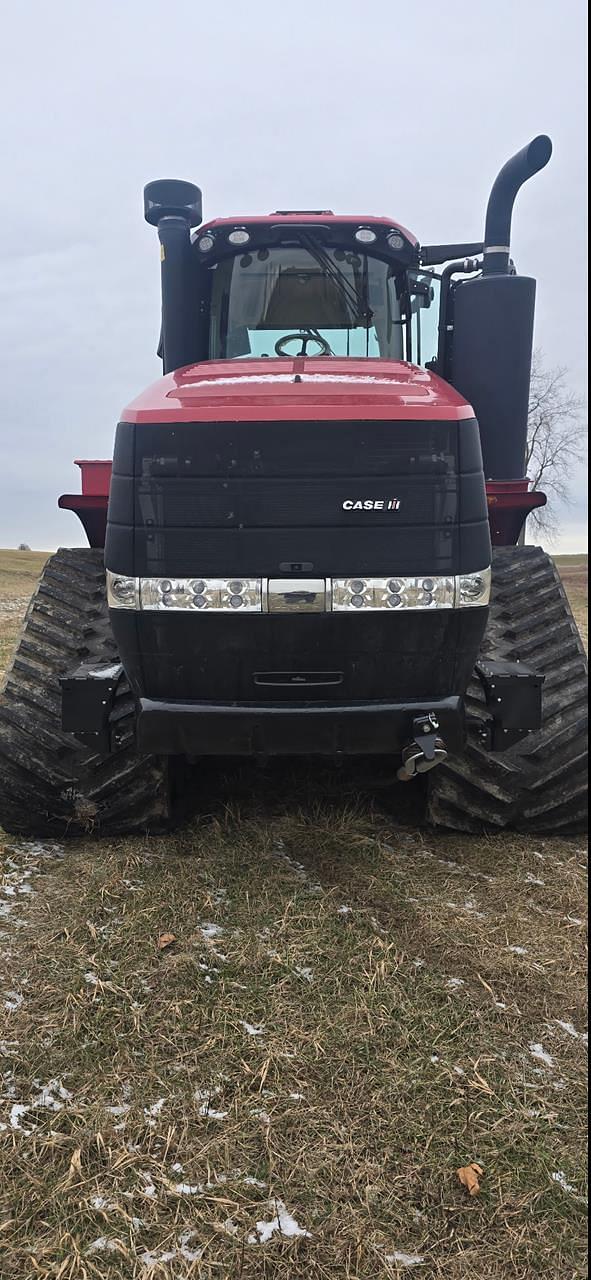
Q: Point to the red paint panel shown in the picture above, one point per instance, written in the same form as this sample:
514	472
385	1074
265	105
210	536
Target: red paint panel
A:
91	510
324	219
329	389
96	474
509	504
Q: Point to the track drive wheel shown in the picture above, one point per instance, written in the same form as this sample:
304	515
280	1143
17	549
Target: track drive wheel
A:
51	785
539	785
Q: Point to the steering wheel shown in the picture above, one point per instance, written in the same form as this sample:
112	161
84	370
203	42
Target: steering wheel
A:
305	339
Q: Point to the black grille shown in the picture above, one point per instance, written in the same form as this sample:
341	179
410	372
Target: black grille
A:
227	498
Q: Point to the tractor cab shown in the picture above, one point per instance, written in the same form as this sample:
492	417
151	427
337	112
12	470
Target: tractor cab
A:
290	284
307	284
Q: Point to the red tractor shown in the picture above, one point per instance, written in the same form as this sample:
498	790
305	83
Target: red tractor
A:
309	540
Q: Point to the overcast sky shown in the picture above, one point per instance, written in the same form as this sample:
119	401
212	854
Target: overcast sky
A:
355	105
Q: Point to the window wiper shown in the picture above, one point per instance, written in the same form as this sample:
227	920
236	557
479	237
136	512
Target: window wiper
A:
338	278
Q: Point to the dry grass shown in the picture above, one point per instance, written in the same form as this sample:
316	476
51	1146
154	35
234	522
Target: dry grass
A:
19	571
398	981
575	575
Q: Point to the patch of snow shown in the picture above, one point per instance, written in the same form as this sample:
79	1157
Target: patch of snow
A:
149	1189
188	1189
155	1109
419	963
459	1071
453	983
103	1245
518	951
530	879
568	1028
91	979
471	905
297	867
210	1113
262	1115
190	1255
303	971
119	1110
297	1097
251	1030
405	1259
283	1222
99	1202
153	1259
560	1178
344	911
434	1057
14	1001
571	1030
538	1051
180	1250
177	1168
17	1111
210	930
249	1181
53	1096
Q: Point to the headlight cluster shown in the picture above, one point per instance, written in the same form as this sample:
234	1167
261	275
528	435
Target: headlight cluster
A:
393	593
199	594
239	236
344	595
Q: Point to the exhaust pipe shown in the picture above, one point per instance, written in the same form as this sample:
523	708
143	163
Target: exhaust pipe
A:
497	234
493	326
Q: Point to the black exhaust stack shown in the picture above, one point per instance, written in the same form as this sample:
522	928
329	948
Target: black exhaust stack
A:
175	207
493	323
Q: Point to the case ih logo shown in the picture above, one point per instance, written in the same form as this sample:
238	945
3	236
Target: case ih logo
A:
371	504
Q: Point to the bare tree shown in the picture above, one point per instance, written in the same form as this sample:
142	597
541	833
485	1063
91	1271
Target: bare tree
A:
555	438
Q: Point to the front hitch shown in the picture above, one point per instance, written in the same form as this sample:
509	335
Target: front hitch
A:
425	750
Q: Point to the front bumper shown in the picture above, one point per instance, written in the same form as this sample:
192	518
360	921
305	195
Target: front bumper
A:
230	729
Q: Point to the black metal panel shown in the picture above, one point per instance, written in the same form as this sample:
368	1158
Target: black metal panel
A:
124	449
298	449
246	498
491	365
335	552
276	503
379	655
209	729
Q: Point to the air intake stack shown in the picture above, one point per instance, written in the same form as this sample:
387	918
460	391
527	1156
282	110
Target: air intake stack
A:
174	207
493	324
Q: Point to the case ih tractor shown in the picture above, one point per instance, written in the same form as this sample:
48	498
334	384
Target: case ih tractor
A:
291	553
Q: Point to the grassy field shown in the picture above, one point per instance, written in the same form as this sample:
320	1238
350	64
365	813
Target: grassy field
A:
263	1047
575	575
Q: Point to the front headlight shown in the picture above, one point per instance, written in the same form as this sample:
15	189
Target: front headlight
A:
342	595
392	593
122	592
473	589
200	595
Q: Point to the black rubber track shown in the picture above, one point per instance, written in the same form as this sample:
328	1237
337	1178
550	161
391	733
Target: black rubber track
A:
540	785
49	783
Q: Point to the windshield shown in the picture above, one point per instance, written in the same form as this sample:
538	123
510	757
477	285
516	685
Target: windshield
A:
306	300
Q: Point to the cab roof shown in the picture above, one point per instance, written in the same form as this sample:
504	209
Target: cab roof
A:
322	217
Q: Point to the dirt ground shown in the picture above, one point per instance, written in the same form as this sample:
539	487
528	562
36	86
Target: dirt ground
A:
263	1047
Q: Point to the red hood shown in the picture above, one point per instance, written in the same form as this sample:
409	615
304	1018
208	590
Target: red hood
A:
296	389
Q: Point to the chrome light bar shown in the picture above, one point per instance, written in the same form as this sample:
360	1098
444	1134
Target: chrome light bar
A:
264	595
